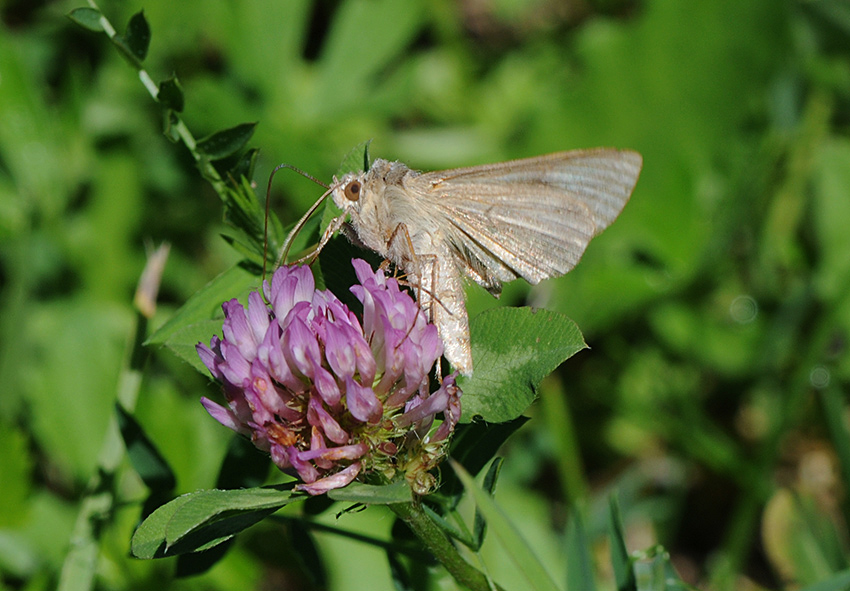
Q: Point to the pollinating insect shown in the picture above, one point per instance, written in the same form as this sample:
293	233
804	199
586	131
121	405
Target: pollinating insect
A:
531	218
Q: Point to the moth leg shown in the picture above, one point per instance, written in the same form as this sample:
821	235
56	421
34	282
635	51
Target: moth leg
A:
385	267
408	253
438	289
332	229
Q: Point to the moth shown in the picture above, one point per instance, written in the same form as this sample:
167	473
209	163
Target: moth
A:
531	219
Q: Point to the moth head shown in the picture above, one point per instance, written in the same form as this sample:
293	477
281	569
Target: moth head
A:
348	191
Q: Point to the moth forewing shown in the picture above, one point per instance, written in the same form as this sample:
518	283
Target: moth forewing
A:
439	291
530	218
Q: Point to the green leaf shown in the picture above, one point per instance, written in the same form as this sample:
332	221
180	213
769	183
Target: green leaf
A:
830	179
247	247
306	237
226	142
455	528
329	212
402	580
138	35
183	342
151	467
15	471
479	524
473	446
244	212
202	520
356	160
513	349
149	538
508	535
200	317
839	582
370	494
211	507
579	560
88	18
305	549
244	166
620	560
170	94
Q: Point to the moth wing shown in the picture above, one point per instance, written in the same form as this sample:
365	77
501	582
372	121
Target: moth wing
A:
530	218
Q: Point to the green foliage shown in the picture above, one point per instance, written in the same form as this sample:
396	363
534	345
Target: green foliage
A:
88	18
202	520
225	143
517	548
138	36
513	349
717	308
147	461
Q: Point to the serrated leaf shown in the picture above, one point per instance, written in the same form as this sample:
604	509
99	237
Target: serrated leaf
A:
508	535
150	465
226	142
170	94
138	35
88	18
370	494
513	349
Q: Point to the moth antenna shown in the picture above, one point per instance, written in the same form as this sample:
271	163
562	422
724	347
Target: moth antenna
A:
268	202
291	237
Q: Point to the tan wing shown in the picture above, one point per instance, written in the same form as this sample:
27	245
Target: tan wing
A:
530	218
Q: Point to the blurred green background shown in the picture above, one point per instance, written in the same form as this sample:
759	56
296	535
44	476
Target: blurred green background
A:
717	307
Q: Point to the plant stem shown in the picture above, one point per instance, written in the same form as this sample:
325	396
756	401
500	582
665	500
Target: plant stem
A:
207	170
436	541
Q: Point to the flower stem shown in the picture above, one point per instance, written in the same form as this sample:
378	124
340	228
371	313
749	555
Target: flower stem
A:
436	541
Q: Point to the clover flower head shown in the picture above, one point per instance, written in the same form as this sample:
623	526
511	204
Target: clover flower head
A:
328	396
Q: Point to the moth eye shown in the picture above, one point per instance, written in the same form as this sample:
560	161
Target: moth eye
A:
352	191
